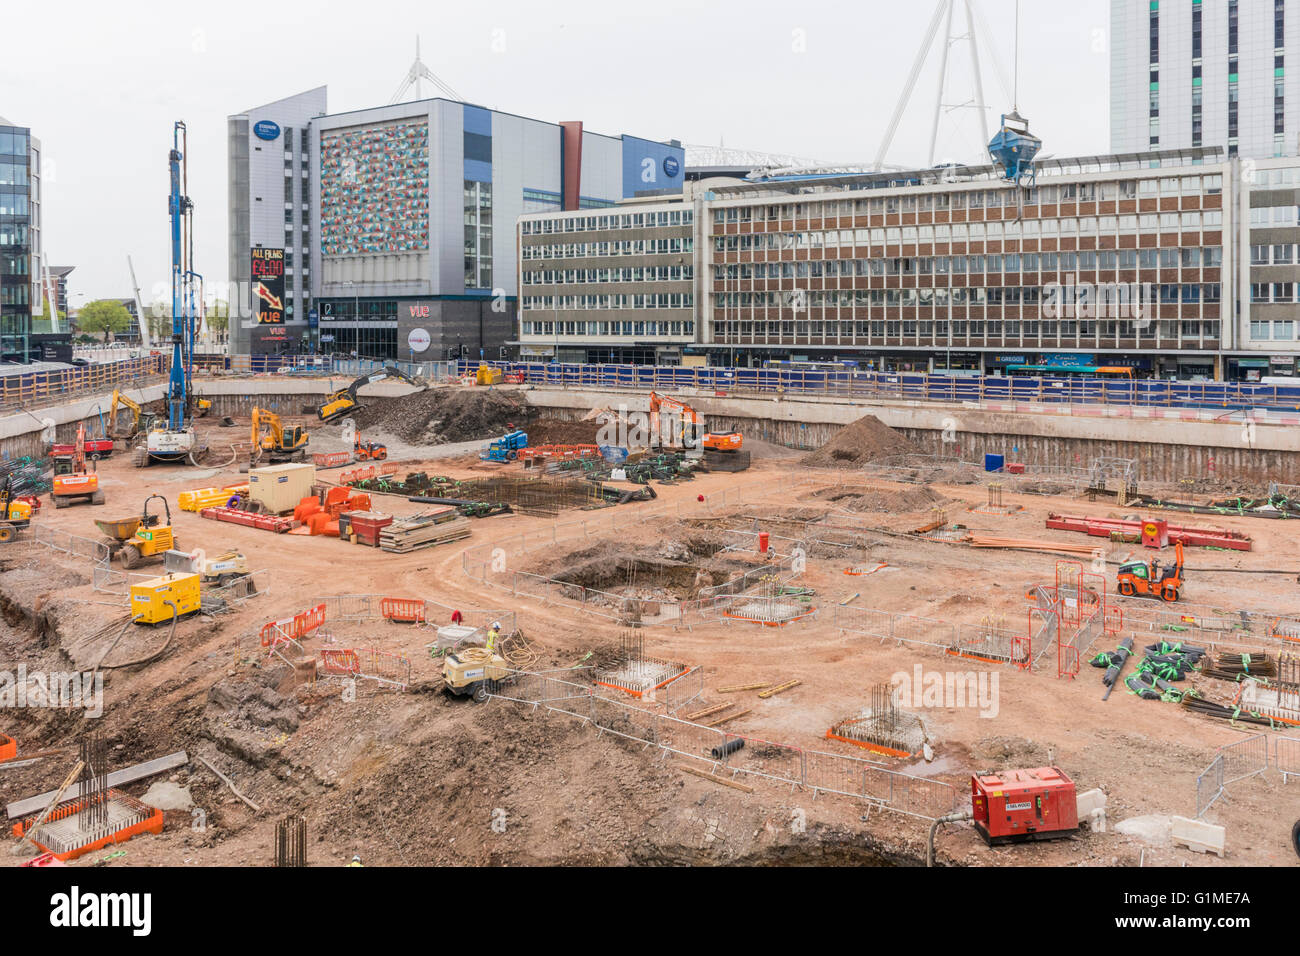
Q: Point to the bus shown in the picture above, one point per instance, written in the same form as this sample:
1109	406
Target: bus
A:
1121	373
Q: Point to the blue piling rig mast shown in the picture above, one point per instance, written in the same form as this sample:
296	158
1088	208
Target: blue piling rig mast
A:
177	442
178	208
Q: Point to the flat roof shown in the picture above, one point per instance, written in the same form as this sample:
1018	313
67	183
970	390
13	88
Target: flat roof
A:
797	180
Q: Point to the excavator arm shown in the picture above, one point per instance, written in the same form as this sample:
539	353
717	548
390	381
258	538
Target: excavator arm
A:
344	401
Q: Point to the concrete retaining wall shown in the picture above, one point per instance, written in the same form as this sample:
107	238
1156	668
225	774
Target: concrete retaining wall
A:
1167	450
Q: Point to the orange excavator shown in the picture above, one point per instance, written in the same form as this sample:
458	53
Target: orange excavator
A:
82	484
1139	579
673	424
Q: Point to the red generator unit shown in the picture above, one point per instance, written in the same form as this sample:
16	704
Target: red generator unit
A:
1012	806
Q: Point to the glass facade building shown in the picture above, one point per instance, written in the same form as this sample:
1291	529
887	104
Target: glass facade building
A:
20	233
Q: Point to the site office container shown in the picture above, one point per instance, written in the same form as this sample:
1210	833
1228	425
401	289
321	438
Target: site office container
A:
279	488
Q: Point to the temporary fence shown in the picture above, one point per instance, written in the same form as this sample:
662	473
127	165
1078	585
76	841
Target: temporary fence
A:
357	608
1133	398
732	755
28	389
994	645
105	579
1209	785
1286	757
1237	761
1245	758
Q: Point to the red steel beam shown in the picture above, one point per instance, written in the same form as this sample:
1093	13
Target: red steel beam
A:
1192	537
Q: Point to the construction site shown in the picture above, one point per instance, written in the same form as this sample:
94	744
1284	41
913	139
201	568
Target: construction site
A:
474	621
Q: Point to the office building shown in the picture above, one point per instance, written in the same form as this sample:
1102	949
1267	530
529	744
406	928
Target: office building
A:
404	240
20	240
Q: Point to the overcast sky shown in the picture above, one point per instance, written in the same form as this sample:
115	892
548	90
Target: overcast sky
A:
100	85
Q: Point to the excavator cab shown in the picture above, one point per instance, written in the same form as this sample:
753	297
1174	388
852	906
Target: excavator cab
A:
1163	581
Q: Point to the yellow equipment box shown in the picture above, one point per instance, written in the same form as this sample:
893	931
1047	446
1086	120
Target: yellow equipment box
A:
148	598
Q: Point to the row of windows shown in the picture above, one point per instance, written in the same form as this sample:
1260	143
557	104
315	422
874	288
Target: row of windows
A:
639	220
1281	331
629	274
976	199
976	231
565	303
990	332
1276	216
1087	260
1274	292
638	327
624	247
1167	293
1275	255
1208	257
13	173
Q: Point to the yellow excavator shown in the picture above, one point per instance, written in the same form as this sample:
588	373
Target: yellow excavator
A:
140	420
275	443
340	403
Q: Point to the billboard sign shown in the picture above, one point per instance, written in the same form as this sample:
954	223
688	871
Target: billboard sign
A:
268	285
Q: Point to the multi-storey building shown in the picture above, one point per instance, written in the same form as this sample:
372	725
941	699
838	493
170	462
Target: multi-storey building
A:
408	247
270	193
1170	263
616	285
20	240
1188	73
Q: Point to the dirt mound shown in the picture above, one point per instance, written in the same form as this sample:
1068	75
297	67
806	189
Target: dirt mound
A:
887	500
552	431
443	415
865	440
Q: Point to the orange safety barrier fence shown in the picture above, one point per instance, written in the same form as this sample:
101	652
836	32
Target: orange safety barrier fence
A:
402	610
340	662
296	627
8	748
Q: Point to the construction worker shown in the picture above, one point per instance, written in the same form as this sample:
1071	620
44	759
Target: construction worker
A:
493	634
356	860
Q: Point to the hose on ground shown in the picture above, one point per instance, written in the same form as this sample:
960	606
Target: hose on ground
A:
955	817
156	654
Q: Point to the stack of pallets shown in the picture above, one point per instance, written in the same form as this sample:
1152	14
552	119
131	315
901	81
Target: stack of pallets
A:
424	531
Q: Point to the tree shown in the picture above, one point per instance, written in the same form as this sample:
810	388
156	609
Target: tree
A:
218	316
45	313
104	315
158	314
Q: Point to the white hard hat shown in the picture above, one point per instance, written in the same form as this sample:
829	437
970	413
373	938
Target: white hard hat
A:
496	625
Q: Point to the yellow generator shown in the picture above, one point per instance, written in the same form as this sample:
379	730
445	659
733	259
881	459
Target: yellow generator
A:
152	600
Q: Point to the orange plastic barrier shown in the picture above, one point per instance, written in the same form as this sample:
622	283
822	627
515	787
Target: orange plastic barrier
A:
332	459
340	662
402	610
8	748
389	469
306	508
296	627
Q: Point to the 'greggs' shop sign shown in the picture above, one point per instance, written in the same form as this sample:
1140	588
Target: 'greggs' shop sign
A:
268	285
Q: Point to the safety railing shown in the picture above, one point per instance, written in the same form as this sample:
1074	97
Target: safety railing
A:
1245	758
1063	393
1209	786
27	389
355	608
1286	757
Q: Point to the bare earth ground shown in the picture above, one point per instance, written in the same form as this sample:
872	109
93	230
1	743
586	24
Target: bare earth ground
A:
419	778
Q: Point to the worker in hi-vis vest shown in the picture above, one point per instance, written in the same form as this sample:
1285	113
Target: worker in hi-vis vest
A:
493	635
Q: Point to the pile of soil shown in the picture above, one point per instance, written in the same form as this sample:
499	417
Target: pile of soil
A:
552	431
443	415
888	500
867	439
